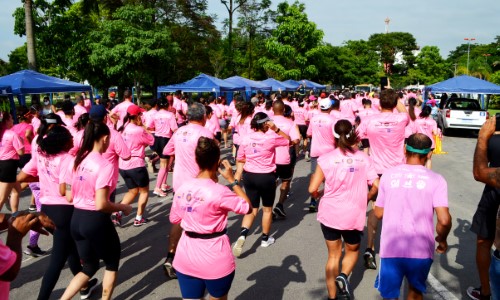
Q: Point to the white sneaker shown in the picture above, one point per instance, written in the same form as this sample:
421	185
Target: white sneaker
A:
269	242
238	246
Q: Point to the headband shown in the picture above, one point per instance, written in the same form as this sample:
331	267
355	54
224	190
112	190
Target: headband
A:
419	151
263	120
51	121
337	136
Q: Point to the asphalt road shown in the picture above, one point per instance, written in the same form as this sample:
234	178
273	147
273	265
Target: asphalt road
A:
293	268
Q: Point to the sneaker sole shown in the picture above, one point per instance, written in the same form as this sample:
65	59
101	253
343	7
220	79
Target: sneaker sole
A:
160	195
265	245
370	262
238	247
169	270
469	293
279	212
342	289
83	297
30	254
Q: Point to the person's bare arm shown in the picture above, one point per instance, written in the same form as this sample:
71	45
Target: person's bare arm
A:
443	227
372	193
378	211
481	171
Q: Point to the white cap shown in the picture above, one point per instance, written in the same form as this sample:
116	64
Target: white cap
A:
325	104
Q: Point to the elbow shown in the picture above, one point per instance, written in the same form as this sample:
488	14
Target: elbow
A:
444	220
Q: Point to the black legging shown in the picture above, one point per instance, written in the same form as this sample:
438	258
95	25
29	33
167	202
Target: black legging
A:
63	248
96	238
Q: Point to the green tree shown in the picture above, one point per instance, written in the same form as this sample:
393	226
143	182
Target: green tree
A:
430	67
294	44
389	45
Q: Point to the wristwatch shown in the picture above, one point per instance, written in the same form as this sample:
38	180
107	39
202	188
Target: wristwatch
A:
232	185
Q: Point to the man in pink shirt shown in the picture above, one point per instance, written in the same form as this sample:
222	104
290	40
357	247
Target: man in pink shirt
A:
121	109
320	132
181	108
409	194
182	146
284	164
386	134
68	117
79	108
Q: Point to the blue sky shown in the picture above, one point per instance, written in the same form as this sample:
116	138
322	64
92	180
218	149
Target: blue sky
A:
442	23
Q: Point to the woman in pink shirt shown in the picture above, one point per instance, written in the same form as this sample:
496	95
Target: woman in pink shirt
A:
91	177
201	206
241	126
257	152
133	171
427	125
164	125
347	172
223	121
413	112
300	114
11	147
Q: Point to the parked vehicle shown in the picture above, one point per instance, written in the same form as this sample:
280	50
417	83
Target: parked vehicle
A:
462	113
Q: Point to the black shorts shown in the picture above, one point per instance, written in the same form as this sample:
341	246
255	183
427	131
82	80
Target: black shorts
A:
159	145
303	131
260	185
293	157
218	136
8	170
484	220
365	143
134	178
351	237
284	172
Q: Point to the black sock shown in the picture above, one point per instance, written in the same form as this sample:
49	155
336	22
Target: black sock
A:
343	275
170	255
332	298
265	237
244	231
370	250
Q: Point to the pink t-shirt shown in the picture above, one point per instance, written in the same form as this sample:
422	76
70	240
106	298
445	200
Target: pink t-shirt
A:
213	125
181	106
347	176
7	260
240	130
386	133
366	112
321	130
269	113
427	126
21	130
147	118
121	111
311	113
376	104
77	141
259	151
410	128
116	149
347	109
79	110
300	114
217	111
201	206
136	138
10	144
87	104
69	123
288	127
93	173
183	145
409	194
163	122
52	171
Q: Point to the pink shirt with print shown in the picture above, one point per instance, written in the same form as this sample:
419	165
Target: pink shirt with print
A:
181	107
10	144
202	206
163	122
121	111
258	149
343	206
183	145
409	194
52	171
7	260
300	114
136	138
427	126
21	130
288	127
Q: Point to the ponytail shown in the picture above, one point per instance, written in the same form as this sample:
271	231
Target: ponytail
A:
126	120
93	132
345	136
426	111
411	108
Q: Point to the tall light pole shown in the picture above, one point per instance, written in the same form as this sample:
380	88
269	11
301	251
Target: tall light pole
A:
468	51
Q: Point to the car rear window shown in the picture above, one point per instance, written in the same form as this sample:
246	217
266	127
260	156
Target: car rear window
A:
464	104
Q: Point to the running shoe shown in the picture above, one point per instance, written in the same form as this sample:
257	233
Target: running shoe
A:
369	258
140	222
475	294
116	218
279	210
32	208
307	157
169	269
87	292
269	242
313	206
343	287
238	246
166	188
34	251
159	193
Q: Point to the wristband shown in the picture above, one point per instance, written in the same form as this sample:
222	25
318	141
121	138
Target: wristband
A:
232	185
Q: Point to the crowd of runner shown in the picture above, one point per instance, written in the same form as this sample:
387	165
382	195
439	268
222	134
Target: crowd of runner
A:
363	148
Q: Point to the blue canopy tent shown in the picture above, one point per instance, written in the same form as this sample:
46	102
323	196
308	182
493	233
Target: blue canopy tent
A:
250	85
313	85
202	83
295	84
30	82
464	84
277	85
7	91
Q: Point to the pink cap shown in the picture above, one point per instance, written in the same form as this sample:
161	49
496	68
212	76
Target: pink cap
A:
134	110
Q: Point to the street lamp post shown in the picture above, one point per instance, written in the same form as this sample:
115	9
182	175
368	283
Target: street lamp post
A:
468	51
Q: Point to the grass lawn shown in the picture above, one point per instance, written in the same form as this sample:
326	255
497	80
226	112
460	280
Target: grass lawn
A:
493	111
